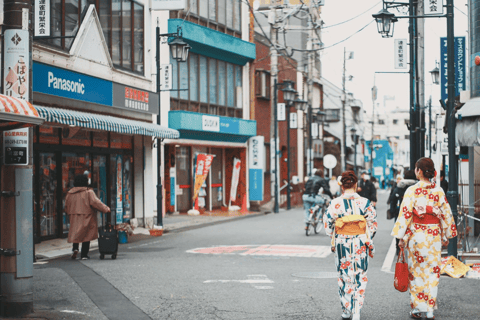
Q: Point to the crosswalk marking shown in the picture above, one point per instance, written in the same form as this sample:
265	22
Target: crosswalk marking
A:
268	250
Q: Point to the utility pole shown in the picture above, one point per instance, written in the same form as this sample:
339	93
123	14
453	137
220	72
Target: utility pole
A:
273	107
311	61
374	97
430	127
344	99
16	184
420	79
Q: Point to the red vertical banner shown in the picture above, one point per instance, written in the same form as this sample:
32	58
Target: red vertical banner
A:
235	176
204	162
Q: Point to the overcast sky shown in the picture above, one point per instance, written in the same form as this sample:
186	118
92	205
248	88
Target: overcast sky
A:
374	53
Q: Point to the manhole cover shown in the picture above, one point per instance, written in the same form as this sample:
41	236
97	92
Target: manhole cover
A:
316	275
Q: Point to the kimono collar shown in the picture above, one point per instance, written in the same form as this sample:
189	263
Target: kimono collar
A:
349	196
426	185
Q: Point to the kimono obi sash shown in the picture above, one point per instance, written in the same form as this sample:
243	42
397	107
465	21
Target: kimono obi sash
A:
351	225
426	218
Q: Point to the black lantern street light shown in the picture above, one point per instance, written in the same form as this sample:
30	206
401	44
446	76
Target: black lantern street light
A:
435	74
179	50
385	22
384	17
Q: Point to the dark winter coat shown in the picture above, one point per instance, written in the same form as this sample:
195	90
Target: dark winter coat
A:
314	184
397	195
367	190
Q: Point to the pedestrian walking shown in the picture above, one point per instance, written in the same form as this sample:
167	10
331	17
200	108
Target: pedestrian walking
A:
425	224
367	189
81	204
351	222
334	186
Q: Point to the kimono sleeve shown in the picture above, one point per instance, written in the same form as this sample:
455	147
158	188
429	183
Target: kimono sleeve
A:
371	217
96	203
405	215
329	219
447	223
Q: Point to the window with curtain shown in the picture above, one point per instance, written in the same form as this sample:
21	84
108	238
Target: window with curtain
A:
122	24
223	12
193	71
203	79
221	83
230	85
212	80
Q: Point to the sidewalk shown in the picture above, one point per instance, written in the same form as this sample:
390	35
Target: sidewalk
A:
56	248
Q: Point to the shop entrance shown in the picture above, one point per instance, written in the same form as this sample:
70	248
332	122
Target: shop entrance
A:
184	178
216	176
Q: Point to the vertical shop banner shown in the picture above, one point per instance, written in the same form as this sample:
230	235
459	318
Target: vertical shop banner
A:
400	46
256	164
16	63
172	185
42	18
118	170
204	162
127	197
459	63
235	177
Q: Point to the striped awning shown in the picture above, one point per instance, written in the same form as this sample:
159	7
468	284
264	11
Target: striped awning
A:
16	113
107	123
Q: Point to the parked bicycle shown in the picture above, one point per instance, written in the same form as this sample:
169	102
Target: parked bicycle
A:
315	220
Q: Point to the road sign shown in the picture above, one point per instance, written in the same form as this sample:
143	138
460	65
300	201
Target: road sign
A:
329	161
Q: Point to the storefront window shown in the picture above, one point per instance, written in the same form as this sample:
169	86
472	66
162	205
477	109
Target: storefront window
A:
121	190
99	182
127	187
48	199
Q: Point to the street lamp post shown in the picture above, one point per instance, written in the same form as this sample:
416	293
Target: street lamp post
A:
354	134
288	96
384	17
179	50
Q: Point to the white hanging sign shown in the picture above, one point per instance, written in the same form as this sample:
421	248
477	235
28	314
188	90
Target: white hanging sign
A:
293	120
281	115
314	130
42	18
433	7
166	77
400	57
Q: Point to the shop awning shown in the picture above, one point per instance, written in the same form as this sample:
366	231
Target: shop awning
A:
107	123
15	113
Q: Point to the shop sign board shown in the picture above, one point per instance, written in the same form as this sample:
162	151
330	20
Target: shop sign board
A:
293	120
16	63
281	115
77	86
220	124
168	4
256	164
433	7
237	164
459	63
15	147
173	172
42	18
166	77
203	164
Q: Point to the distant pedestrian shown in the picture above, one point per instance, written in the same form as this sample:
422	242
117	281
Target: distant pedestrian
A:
398	193
334	186
443	182
351	222
311	196
425	224
366	188
81	204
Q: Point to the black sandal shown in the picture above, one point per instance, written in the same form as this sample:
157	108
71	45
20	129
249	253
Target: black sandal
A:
415	315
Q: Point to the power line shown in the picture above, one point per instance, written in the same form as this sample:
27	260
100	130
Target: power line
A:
337	24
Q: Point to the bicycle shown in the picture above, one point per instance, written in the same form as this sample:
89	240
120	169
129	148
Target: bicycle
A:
315	220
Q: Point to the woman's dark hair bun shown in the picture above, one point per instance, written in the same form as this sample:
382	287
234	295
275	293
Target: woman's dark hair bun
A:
349	179
427	166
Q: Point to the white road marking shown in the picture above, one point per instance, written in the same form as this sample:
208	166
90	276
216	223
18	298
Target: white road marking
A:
387	263
252	279
41	262
145	244
73	311
304	251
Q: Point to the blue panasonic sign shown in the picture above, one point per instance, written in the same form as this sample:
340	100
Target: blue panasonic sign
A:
60	82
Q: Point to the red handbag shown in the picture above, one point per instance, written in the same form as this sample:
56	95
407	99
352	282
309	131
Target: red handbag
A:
401	273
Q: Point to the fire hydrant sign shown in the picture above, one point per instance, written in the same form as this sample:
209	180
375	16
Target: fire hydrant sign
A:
15	147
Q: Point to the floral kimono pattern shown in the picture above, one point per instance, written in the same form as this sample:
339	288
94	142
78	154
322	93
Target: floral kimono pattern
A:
423	241
351	251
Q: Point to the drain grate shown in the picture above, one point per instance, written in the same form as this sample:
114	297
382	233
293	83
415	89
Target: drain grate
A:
316	275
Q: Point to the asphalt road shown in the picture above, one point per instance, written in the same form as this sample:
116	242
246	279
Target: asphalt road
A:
263	267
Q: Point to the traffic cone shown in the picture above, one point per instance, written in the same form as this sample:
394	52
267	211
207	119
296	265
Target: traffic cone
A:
244	209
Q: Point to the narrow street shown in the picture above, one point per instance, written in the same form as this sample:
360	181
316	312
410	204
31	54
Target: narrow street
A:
263	267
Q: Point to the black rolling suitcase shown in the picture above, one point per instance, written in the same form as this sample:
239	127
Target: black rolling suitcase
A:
107	240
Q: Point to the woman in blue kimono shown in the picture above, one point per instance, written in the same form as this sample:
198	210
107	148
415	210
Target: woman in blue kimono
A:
351	222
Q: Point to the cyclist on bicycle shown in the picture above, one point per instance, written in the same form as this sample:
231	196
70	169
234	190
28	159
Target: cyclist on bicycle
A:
311	195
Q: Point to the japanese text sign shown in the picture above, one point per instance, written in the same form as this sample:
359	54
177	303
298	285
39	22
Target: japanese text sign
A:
400	57
459	63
